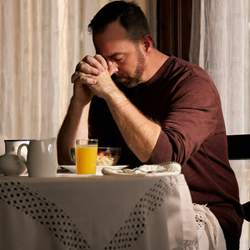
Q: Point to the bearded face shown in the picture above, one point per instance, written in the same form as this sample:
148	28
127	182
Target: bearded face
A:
133	79
125	54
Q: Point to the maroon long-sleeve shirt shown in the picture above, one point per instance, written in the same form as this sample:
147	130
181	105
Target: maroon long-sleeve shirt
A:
182	98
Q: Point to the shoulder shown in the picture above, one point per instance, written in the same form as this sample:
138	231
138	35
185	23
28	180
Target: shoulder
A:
180	68
190	82
189	76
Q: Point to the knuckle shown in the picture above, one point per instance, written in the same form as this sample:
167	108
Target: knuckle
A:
98	56
86	58
79	65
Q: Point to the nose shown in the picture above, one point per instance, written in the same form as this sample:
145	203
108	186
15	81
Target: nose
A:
112	67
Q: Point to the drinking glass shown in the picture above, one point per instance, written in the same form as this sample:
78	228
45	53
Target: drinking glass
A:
86	155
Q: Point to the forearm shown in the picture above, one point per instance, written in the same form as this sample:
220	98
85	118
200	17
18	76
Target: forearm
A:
75	122
74	126
140	133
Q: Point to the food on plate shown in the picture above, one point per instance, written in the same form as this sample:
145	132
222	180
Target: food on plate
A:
105	158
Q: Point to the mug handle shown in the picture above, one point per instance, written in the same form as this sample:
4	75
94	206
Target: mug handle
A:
19	154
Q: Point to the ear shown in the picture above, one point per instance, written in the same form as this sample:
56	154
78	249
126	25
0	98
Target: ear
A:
147	43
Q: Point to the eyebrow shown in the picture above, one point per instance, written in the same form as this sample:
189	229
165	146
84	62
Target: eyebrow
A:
115	54
110	56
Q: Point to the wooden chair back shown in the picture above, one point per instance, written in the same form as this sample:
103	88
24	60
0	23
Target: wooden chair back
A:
239	149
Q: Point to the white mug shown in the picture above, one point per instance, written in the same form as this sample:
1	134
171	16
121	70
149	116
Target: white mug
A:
41	158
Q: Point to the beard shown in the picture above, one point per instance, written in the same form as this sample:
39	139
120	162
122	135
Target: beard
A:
128	81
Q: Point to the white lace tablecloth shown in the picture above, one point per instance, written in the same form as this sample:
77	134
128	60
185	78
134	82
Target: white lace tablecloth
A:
96	212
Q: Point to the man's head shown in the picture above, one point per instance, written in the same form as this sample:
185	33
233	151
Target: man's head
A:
129	15
121	35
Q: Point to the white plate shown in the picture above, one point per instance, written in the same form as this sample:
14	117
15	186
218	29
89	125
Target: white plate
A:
72	168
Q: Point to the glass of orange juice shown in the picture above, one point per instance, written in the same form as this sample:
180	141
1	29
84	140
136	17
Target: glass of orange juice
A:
86	155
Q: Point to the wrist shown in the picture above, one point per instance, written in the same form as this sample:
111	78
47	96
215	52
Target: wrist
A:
76	105
78	101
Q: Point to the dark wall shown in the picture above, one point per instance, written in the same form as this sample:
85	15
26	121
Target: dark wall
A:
174	27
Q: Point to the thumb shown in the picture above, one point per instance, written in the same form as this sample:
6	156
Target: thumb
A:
112	68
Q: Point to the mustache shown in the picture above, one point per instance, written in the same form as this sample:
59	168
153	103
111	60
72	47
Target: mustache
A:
115	76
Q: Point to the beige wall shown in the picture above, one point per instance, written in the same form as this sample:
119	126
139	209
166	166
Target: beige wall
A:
41	41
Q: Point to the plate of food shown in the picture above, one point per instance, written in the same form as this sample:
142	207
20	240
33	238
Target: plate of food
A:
108	156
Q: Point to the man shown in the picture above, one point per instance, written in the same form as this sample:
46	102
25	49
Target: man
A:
157	107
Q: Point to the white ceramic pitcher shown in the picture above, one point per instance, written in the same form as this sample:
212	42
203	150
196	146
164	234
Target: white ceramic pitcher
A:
41	158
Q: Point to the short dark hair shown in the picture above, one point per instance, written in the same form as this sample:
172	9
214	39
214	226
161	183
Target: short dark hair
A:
129	14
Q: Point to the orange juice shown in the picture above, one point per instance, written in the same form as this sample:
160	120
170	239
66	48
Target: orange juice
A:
86	157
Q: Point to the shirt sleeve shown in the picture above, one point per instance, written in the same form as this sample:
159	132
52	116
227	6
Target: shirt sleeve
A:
190	118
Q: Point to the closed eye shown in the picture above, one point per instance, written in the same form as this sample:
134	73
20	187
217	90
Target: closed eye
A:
117	59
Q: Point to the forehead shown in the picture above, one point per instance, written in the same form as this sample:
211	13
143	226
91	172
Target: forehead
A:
112	40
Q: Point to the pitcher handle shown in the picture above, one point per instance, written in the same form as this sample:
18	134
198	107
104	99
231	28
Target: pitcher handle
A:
19	154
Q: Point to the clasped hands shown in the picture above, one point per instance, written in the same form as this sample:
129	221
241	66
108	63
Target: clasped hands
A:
93	77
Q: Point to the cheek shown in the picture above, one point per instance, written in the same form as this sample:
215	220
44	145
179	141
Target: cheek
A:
127	67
